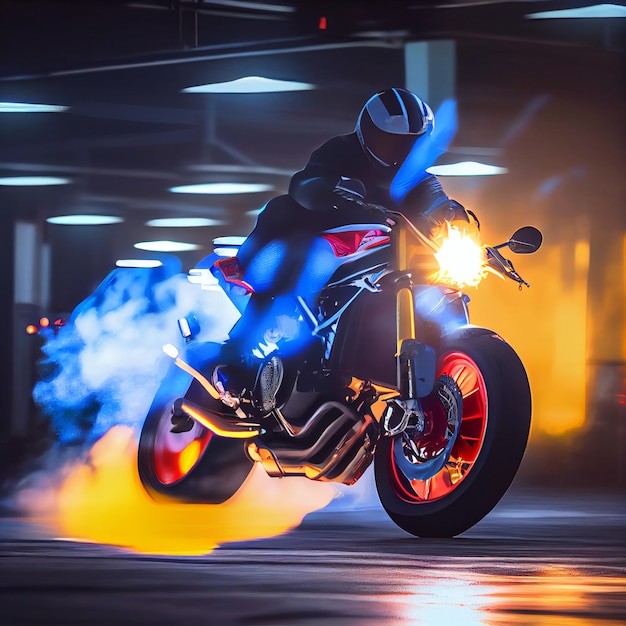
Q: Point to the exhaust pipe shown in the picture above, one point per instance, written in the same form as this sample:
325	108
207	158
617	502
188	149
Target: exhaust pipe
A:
219	425
216	423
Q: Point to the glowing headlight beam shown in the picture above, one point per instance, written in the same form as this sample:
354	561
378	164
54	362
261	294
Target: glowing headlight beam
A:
461	257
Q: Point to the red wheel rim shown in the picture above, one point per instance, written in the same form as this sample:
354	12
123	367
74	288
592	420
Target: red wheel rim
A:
469	441
176	454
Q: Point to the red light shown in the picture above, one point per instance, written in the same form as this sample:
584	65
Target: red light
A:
31	330
322	24
45	322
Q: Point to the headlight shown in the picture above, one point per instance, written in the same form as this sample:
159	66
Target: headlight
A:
461	256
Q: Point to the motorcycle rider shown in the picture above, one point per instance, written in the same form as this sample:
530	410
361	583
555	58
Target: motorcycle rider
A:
344	182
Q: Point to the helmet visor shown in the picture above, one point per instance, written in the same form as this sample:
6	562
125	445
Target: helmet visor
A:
389	149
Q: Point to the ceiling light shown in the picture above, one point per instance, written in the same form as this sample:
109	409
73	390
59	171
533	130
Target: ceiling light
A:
147	263
32	181
257	6
592	11
466	168
229	241
222	188
183	222
250	84
84	220
26	107
226	252
166	246
227	246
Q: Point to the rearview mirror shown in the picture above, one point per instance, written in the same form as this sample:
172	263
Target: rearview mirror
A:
525	240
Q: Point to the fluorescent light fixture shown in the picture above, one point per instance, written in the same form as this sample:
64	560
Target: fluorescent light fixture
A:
202	277
26	107
222	188
250	84
166	246
466	168
33	181
226	252
147	263
183	222
591	11
84	220
257	6
227	246
229	241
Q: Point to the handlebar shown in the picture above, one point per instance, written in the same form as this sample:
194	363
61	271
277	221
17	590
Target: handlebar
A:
504	266
495	260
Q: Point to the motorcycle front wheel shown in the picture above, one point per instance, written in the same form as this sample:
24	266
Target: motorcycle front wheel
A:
194	466
490	442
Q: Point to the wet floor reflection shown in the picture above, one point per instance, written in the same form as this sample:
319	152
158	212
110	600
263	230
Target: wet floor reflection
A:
537	560
551	595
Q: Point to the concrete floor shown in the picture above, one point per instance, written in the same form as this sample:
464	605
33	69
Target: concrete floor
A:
540	558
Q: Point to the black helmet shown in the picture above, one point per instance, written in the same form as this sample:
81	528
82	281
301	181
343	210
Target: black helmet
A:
390	123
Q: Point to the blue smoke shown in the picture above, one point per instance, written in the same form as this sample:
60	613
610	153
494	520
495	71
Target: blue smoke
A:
426	151
106	364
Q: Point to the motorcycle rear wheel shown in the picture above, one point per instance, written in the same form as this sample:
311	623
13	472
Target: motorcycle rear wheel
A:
488	450
195	466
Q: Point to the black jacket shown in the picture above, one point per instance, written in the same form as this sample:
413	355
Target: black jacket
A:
312	187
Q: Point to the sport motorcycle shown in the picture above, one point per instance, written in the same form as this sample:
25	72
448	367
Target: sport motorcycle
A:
392	373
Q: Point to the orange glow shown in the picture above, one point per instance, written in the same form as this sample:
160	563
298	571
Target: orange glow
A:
555	596
547	327
31	330
623	329
102	500
44	322
189	456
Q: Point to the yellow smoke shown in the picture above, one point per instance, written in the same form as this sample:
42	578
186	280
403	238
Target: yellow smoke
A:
103	501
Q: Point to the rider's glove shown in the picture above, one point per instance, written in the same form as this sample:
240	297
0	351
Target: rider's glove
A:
349	201
348	192
359	213
453	212
377	214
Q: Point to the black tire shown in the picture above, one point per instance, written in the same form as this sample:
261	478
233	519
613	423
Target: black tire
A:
196	466
492	439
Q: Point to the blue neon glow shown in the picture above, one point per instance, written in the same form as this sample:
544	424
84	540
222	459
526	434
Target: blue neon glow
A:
426	151
104	367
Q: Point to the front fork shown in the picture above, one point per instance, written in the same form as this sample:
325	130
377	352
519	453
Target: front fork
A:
415	365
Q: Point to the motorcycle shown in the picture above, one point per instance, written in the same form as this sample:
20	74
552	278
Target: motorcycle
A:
393	373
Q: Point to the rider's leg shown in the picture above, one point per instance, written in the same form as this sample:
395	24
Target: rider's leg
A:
272	257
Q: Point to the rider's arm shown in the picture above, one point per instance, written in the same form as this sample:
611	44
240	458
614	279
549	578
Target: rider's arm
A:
314	186
429	206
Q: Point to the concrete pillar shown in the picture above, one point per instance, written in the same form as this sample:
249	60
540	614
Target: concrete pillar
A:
6	334
29	286
430	70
